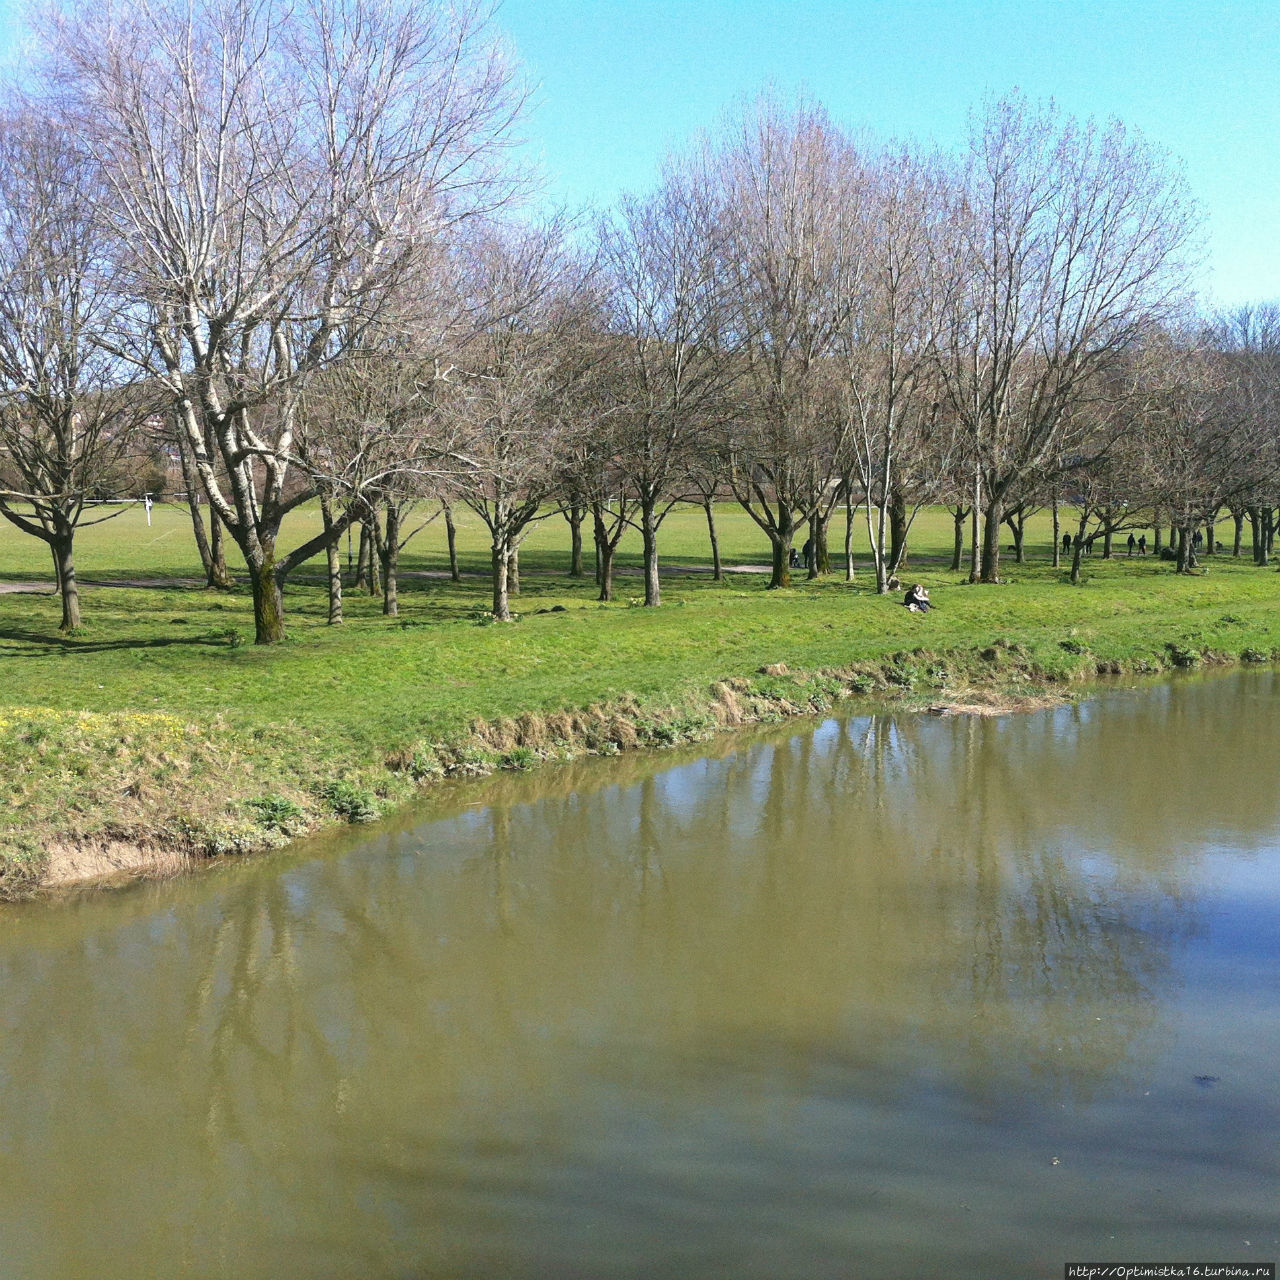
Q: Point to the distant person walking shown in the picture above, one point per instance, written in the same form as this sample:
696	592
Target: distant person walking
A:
1066	543
1133	542
1142	545
806	553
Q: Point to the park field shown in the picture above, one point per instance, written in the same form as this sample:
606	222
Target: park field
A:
160	727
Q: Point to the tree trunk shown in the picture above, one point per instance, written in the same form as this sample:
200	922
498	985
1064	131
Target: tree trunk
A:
897	533
975	519
334	561
820	556
1016	521
575	514
375	569
191	483
781	536
992	520
781	576
451	534
218	576
211	545
501	599
958	516
605	552
1057	535
363	556
268	601
849	513
64	557
1237	519
649	534
1108	542
513	570
717	569
1157	537
1209	526
1186	548
391	563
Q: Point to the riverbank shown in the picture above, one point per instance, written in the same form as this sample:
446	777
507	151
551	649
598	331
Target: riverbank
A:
159	736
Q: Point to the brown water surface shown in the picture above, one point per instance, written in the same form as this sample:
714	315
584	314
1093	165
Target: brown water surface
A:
885	996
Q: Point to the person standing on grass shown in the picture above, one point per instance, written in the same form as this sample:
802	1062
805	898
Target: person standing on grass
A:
1066	544
1142	545
1133	542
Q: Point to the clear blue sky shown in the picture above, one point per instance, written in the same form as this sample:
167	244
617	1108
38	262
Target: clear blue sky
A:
621	81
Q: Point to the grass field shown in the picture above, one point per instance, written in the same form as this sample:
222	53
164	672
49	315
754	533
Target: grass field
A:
160	721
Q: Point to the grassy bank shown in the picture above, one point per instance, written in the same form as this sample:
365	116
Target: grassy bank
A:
161	729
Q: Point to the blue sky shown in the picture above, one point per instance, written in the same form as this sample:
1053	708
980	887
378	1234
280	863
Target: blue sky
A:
621	82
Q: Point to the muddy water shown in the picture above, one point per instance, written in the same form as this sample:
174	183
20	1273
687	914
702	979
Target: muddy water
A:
879	997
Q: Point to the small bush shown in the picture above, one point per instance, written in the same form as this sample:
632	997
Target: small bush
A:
278	813
349	801
520	758
1182	656
224	837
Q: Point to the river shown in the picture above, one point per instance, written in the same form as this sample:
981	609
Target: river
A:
878	996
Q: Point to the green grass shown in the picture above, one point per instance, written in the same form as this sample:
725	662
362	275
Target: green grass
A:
194	730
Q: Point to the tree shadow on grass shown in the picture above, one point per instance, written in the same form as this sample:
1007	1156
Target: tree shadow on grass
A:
18	643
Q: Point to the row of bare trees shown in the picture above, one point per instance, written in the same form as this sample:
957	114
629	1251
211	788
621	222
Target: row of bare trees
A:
291	240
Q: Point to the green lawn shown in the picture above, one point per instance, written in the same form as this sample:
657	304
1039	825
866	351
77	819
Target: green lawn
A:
190	721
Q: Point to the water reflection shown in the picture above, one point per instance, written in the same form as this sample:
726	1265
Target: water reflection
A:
752	1013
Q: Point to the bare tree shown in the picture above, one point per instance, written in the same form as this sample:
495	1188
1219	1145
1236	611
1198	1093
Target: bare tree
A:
518	403
900	444
1249	342
1197	451
272	174
788	187
666	372
69	417
1068	242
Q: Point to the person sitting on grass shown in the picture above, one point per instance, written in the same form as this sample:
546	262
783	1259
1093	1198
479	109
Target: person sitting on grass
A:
917	599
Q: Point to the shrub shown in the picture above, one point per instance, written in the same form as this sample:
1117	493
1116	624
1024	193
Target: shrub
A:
222	837
278	813
349	801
